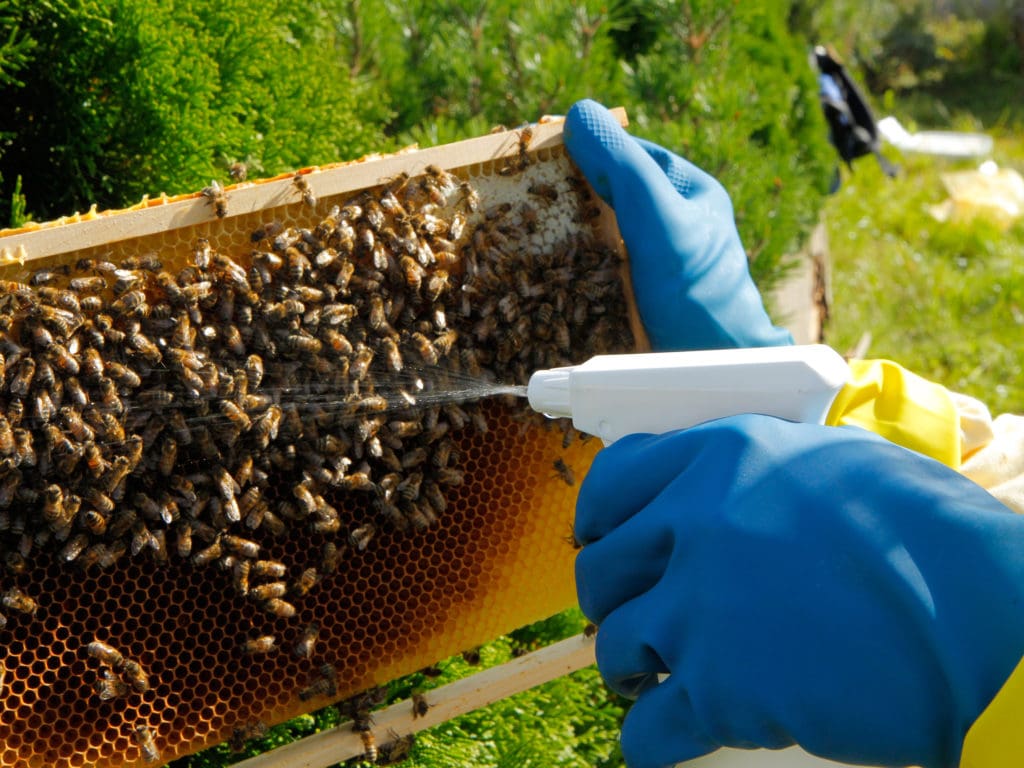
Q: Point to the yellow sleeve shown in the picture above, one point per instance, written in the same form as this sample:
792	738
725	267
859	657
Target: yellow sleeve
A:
996	739
889	400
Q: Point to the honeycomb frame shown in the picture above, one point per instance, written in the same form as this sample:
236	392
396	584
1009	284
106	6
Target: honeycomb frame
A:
395	608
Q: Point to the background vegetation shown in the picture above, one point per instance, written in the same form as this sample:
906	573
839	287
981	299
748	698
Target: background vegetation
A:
109	100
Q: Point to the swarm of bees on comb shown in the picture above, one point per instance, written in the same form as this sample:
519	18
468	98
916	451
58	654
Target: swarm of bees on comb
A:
307	387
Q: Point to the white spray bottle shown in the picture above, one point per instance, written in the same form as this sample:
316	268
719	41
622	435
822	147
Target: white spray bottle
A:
615	395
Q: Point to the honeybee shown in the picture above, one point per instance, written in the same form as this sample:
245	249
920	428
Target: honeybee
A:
268	569
142	346
435	497
450	476
63	360
322	686
361	536
236	415
254	371
135	675
14	563
560	332
336	313
545	191
238	171
470	200
327	520
7	443
243	733
144	738
115	474
429	186
424	348
305	498
17	600
184	539
472	657
74	547
47	276
44	406
279	608
15	411
345	272
94	284
259	645
122	374
420	516
106	654
217	197
53	504
268	591
209	554
267	230
420	707
110	686
396	751
307	642
104	504
304	344
24	449
42	338
361	362
443	453
564	471
241	547
369	745
413	273
590	630
142	538
331	559
306	581
374	214
22	381
266	427
304	189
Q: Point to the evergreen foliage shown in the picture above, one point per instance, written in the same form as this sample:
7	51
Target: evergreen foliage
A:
122	98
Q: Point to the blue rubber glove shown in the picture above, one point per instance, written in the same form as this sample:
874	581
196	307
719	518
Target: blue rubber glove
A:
798	584
690	275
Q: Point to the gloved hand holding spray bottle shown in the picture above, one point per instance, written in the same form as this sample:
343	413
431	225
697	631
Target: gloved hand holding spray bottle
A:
761	582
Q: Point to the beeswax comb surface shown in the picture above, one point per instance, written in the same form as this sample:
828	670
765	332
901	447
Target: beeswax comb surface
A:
451	521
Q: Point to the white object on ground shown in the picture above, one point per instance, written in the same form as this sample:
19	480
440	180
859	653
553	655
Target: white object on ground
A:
995	193
943	143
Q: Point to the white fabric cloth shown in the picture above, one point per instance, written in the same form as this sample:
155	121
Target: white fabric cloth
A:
992	450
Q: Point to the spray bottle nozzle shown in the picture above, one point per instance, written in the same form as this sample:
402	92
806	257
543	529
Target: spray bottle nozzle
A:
548	392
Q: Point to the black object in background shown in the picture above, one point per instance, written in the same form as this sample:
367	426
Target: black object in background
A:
852	128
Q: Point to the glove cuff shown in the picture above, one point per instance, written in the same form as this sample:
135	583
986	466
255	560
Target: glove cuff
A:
996	738
902	407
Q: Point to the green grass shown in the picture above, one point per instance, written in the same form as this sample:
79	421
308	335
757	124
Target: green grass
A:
944	299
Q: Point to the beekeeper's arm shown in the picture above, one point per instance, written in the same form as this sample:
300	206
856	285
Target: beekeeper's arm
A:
693	290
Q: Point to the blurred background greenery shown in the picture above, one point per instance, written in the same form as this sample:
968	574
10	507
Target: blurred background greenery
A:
105	101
